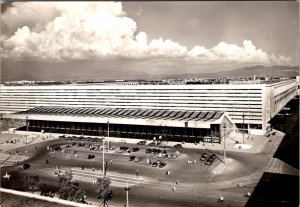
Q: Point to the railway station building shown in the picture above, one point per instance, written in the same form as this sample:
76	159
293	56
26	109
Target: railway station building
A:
178	112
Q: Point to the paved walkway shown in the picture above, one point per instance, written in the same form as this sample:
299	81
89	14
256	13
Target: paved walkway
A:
256	141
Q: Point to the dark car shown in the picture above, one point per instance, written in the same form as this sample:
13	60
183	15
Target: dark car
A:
153	151
178	146
141	143
162	164
156	151
23	167
152	144
203	156
210	159
68	146
124	148
80	145
135	149
131	158
57	148
154	164
91	156
74	143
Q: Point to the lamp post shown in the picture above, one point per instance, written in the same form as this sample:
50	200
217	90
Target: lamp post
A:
108	129
108	136
224	127
26	130
103	160
127	189
1	118
243	128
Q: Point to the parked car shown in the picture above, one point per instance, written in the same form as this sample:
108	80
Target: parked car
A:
152	144
154	164
57	148
73	152
154	151
141	143
162	164
178	146
124	148
210	159
204	156
23	166
131	158
91	156
135	149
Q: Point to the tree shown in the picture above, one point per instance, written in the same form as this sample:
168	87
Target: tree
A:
64	177
32	183
69	189
103	190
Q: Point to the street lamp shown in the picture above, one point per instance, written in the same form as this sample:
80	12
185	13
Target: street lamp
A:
26	130
1	118
103	161
108	129
127	189
243	128
224	127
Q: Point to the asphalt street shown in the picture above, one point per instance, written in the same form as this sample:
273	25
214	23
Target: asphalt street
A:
198	185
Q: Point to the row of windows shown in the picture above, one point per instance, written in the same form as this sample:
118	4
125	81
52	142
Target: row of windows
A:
128	89
221	107
91	101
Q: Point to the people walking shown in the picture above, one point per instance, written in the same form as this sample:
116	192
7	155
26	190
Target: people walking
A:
82	167
177	182
174	188
221	199
137	173
247	195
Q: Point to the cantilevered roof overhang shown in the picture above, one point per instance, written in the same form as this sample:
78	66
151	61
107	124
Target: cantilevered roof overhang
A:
150	117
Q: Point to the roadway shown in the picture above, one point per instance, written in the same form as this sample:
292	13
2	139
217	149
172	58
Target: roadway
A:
198	185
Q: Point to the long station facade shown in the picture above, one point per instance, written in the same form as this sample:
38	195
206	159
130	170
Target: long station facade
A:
179	112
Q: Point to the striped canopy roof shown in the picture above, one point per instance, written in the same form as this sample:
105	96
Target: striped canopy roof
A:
171	115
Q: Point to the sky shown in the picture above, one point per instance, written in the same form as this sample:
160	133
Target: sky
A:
100	40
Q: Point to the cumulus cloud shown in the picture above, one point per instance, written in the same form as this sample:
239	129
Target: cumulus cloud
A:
224	52
83	30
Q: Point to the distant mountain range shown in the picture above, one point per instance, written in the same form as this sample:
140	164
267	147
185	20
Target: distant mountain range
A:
258	71
129	69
